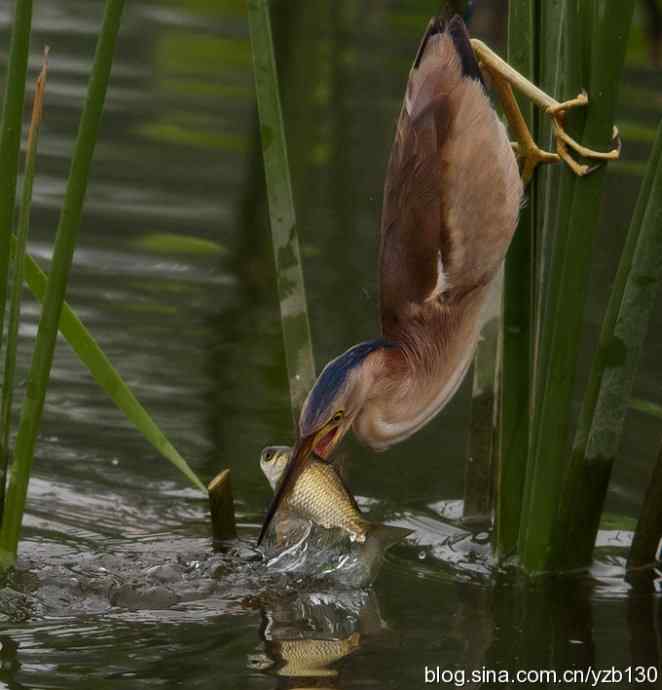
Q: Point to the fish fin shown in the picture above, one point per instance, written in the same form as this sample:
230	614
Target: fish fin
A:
386	536
352	500
354	639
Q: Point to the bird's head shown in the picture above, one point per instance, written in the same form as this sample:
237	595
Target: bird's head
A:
329	411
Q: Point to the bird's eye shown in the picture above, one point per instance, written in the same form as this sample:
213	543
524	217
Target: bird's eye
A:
338	416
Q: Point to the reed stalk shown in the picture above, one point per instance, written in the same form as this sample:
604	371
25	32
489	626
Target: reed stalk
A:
549	75
646	407
647	542
221	507
104	373
17	283
548	289
479	470
289	271
517	330
615	364
65	242
10	135
595	32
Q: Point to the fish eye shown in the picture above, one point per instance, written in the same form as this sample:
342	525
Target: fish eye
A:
338	416
268	455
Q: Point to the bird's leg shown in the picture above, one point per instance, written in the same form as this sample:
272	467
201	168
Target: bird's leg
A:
501	71
526	148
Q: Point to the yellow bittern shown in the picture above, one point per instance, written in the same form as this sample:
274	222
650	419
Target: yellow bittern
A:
451	201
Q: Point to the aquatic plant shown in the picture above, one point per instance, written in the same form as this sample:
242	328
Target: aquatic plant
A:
65	243
10	134
104	373
550	493
603	27
512	435
17	283
480	469
647	542
287	255
56	314
10	141
616	361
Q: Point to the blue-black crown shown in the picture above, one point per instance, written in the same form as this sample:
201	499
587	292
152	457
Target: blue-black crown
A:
333	378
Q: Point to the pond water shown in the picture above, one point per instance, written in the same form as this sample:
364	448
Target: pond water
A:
118	584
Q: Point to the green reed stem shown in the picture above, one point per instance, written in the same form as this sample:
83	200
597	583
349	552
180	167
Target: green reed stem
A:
646	407
550	286
479	470
10	135
104	373
596	34
615	364
65	243
517	330
647	542
550	76
291	291
17	283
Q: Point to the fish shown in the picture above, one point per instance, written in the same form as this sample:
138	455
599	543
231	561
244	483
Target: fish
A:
320	495
312	657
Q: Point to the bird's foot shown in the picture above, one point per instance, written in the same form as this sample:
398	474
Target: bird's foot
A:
564	141
505	79
530	156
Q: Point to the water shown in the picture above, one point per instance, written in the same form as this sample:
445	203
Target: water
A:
118	585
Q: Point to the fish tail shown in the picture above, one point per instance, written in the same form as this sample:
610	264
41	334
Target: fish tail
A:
385	536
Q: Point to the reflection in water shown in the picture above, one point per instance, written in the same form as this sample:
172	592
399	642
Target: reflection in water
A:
307	636
644	619
505	624
546	626
9	663
312	658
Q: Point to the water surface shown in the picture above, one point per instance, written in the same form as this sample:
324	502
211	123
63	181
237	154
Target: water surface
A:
118	585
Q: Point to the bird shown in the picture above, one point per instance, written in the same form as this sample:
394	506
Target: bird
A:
452	195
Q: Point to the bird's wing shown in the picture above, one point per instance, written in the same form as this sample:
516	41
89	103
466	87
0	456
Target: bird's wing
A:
452	190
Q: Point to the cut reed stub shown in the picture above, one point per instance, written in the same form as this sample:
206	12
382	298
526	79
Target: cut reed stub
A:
221	506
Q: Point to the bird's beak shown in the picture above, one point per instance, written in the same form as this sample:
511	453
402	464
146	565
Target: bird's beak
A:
300	454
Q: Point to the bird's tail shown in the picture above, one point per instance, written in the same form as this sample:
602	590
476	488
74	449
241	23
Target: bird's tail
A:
457	30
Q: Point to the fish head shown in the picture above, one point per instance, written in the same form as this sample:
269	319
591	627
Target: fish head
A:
273	461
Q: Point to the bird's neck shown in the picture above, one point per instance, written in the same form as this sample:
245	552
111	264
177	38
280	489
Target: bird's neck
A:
408	388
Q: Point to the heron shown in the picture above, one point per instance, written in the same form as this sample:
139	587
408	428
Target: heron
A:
452	195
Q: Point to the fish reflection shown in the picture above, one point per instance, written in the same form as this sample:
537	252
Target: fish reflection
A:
308	635
313	658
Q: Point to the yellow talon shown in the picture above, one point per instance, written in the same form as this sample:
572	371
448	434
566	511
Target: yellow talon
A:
504	79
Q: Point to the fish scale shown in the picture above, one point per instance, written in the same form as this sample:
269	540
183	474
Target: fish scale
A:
320	495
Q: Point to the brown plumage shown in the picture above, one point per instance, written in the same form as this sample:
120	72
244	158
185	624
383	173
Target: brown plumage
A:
452	192
451	201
